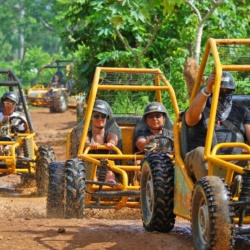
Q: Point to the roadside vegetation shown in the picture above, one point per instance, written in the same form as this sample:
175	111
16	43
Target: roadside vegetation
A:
128	33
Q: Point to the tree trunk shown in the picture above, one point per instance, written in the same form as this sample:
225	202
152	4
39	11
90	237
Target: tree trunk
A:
197	48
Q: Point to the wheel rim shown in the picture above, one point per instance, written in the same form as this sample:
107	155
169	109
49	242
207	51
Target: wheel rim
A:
149	195
203	220
212	214
63	102
157	192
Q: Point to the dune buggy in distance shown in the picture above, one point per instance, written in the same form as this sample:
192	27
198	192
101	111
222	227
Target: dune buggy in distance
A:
57	93
19	153
79	182
218	205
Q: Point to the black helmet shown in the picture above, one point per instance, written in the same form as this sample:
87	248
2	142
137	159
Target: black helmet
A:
10	95
59	73
102	107
155	107
227	81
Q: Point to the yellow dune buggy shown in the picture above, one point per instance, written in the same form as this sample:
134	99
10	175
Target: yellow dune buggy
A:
57	97
79	182
218	205
18	151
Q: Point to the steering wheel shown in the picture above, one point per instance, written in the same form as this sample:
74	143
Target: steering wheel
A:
18	122
153	145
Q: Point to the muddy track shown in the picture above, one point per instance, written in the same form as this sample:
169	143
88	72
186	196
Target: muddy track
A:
23	222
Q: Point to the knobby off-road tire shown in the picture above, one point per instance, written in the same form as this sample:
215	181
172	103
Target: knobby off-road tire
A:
157	192
75	189
52	109
44	156
212	214
56	188
59	102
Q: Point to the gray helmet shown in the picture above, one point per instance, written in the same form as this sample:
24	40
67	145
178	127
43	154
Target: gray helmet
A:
10	95
102	107
227	81
154	107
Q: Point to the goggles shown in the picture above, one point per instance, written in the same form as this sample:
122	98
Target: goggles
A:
152	116
9	104
97	116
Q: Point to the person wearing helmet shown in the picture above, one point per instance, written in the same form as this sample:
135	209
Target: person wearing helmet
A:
154	115
54	82
232	124
9	101
99	135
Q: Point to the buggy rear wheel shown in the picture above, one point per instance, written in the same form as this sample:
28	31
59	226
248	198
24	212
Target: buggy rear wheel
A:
56	187
59	102
75	188
157	192
212	214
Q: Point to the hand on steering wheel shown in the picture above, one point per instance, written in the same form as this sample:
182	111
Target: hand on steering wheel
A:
19	121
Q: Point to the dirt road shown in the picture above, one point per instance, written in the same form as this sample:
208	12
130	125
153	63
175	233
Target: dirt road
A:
24	226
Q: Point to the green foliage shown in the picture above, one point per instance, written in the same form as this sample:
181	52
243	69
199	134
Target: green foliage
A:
119	57
168	5
143	34
35	59
243	87
125	33
83	70
29	37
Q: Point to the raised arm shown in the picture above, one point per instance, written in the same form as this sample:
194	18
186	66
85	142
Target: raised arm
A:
194	112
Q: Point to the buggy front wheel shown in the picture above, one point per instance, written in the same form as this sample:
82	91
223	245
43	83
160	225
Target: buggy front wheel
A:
212	214
44	156
56	187
157	192
75	188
